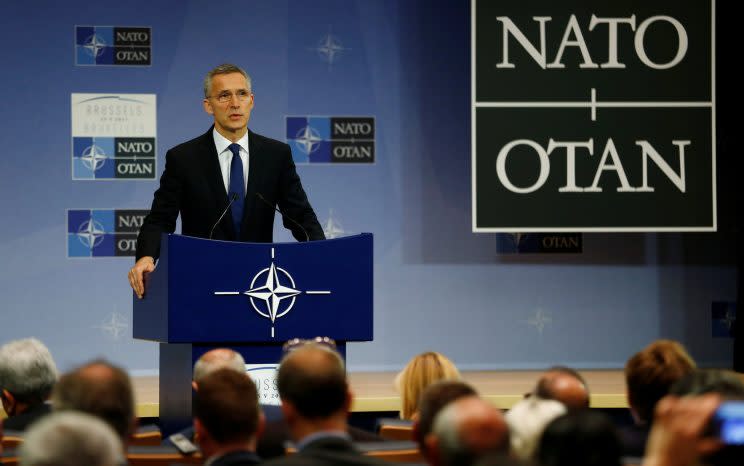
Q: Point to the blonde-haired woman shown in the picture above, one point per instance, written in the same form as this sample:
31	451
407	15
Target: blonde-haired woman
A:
420	372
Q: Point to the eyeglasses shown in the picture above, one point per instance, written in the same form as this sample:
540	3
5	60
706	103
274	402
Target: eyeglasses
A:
226	96
295	343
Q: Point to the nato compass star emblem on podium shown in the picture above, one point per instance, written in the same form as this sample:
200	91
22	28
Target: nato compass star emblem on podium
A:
272	292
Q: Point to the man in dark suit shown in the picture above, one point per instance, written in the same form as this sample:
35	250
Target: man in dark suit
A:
316	401
227	420
228	165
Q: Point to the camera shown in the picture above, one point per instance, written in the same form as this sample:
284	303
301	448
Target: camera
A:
728	423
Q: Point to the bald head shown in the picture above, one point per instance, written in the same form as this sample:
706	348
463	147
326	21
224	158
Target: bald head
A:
564	385
467	428
216	359
313	379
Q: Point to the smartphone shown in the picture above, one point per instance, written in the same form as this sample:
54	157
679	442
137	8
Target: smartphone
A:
183	444
728	422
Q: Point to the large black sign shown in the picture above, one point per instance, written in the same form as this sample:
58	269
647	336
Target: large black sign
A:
590	116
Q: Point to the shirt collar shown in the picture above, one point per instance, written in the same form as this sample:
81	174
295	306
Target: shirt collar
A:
221	142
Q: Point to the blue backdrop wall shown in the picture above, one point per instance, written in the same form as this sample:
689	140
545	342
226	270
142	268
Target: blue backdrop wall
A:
437	285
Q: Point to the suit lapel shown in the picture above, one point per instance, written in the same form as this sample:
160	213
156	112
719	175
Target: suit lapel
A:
255	166
212	172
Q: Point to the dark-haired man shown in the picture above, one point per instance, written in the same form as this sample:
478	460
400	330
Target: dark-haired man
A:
228	165
227	419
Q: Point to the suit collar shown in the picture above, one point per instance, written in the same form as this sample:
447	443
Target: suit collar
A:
211	169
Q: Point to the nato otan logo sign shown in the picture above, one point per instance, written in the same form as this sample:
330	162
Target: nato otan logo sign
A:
113	136
103	232
593	116
113	45
339	139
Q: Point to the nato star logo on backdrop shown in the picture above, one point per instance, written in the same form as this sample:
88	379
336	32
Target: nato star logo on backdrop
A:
114	326
723	317
113	45
539	320
335	139
330	48
332	228
103	232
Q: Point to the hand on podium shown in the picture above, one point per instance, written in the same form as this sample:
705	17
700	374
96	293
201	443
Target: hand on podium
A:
138	274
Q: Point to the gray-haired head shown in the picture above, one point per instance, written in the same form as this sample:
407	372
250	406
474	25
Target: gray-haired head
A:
467	429
216	359
70	438
27	370
225	68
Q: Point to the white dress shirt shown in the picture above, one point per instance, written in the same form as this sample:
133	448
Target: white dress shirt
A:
225	157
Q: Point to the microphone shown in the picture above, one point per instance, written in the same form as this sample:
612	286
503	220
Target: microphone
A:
260	196
233	198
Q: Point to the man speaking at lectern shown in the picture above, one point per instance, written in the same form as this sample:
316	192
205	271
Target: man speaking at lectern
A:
225	183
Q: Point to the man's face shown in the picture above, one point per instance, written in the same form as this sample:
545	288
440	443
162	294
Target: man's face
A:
231	116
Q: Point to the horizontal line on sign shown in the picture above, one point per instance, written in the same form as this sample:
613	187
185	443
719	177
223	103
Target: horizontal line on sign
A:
317	292
649	229
227	292
594	104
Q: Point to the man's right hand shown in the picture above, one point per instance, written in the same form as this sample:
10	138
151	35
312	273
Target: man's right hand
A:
138	274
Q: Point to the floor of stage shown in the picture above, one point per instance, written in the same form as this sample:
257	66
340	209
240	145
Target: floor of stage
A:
374	391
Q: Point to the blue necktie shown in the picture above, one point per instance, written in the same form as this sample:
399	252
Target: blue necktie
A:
237	186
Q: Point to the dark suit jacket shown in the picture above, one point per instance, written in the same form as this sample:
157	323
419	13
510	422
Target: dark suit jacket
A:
330	451
192	185
276	434
237	458
21	422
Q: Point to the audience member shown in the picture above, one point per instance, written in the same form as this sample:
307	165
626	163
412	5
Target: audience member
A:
27	376
465	430
702	381
70	439
527	420
580	438
435	397
102	390
227	419
316	400
420	372
679	433
649	374
728	386
563	384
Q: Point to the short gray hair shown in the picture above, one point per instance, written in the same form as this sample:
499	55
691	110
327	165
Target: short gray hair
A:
70	438
225	68
27	370
220	358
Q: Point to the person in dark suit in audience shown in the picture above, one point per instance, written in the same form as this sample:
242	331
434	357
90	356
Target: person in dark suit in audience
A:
563	384
649	374
580	438
103	390
27	376
316	400
227	419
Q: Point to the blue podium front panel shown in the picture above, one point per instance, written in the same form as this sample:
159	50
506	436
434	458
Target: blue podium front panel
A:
221	292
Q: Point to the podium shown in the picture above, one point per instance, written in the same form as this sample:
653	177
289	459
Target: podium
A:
251	297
